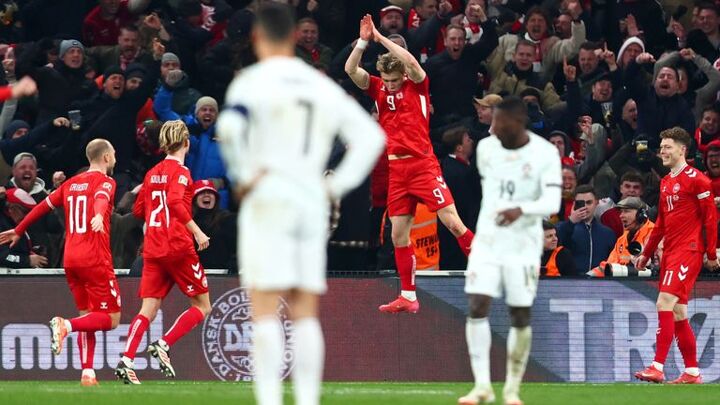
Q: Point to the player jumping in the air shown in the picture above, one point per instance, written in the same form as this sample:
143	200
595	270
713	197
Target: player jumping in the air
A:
402	96
87	200
276	134
169	255
521	183
687	225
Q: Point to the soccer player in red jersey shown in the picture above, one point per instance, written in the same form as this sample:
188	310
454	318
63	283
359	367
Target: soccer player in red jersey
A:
687	225
169	256
402	96
91	277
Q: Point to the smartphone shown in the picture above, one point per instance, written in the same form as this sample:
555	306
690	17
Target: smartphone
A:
579	204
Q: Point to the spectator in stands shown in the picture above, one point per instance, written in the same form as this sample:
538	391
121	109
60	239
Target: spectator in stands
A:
203	160
563	26
589	240
463	180
309	47
471	19
712	164
697	97
16	129
453	73
430	15
548	50
636	230
478	126
126	51
589	64
184	96
556	260
569	184
518	75
48	231
14	205
218	224
659	107
631	185
630	49
709	128
102	24
62	83
705	39
629	119
189	35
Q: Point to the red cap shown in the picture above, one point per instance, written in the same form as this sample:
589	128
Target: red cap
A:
390	9
20	197
203	185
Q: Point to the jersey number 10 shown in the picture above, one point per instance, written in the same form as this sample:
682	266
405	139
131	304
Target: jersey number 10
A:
161	196
77	214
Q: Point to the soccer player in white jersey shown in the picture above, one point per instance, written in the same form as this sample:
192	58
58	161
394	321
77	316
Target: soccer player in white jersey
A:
276	134
521	184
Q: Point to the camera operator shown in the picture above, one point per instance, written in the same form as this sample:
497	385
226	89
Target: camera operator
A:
637	228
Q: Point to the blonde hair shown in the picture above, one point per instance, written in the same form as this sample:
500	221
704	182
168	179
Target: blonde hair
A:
387	63
173	135
96	149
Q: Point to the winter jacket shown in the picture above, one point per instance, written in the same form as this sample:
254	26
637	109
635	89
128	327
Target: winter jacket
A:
513	81
590	243
702	96
204	159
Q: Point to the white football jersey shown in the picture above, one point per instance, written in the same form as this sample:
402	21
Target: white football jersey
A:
528	178
282	116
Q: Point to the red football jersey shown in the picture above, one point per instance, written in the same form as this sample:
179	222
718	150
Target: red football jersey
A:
405	116
83	247
165	203
687	218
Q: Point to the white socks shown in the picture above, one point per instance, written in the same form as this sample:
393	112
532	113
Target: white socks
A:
268	358
693	371
309	353
518	351
479	339
408	295
658	366
68	325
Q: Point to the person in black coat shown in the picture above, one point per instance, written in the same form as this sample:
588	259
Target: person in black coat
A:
15	204
463	180
453	73
219	224
660	107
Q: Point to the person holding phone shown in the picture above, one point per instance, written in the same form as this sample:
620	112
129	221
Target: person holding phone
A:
589	240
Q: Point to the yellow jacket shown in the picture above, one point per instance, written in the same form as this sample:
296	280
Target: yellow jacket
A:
620	254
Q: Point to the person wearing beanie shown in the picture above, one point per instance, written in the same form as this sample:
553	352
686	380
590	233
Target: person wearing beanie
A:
183	95
218	224
16	129
203	160
102	24
630	49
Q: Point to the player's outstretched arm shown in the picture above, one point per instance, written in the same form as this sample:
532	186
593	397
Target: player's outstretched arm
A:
358	75
414	71
365	141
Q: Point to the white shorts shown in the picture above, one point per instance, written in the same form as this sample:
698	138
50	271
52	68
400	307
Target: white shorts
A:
518	282
282	246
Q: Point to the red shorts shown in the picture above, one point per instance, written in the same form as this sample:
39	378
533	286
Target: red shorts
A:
414	180
161	273
94	289
678	273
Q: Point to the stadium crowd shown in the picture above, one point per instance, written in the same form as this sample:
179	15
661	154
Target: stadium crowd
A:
601	81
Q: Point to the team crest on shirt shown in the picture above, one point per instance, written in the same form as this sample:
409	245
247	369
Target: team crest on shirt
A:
526	169
676	188
399	96
183	180
227	337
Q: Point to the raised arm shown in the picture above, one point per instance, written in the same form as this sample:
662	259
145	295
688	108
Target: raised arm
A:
414	71
358	75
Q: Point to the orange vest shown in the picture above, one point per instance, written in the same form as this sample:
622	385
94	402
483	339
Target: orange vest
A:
551	267
620	254
424	239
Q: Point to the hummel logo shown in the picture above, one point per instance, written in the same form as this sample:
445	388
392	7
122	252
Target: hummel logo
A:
103	305
196	271
190	289
691	173
441	182
683	272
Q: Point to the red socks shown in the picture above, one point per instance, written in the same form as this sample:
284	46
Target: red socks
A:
465	241
91	322
138	326
86	344
665	333
183	324
686	342
405	262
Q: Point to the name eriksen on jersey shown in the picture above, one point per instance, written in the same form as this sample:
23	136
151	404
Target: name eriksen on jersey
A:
78	187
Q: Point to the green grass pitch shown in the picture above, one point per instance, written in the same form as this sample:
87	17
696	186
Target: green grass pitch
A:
212	393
